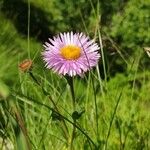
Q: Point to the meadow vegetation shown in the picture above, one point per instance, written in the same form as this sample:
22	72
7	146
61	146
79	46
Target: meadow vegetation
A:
112	100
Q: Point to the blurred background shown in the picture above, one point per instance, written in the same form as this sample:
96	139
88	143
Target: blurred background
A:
124	26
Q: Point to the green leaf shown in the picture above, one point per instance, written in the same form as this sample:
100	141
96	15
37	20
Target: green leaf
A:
4	90
76	115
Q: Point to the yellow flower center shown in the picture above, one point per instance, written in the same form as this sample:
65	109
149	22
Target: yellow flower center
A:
70	52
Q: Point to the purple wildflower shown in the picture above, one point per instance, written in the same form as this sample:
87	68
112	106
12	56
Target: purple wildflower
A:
71	54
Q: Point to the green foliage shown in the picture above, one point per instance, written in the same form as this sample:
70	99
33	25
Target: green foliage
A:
48	18
13	48
4	90
126	32
130	27
32	113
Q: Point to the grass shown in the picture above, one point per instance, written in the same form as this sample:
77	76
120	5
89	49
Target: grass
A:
36	109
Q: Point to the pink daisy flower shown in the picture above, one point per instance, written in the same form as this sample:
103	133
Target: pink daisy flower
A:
71	54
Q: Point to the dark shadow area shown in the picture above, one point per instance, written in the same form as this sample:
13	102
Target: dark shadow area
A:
17	11
108	8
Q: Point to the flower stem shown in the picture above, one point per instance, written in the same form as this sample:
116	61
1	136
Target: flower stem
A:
71	84
70	81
